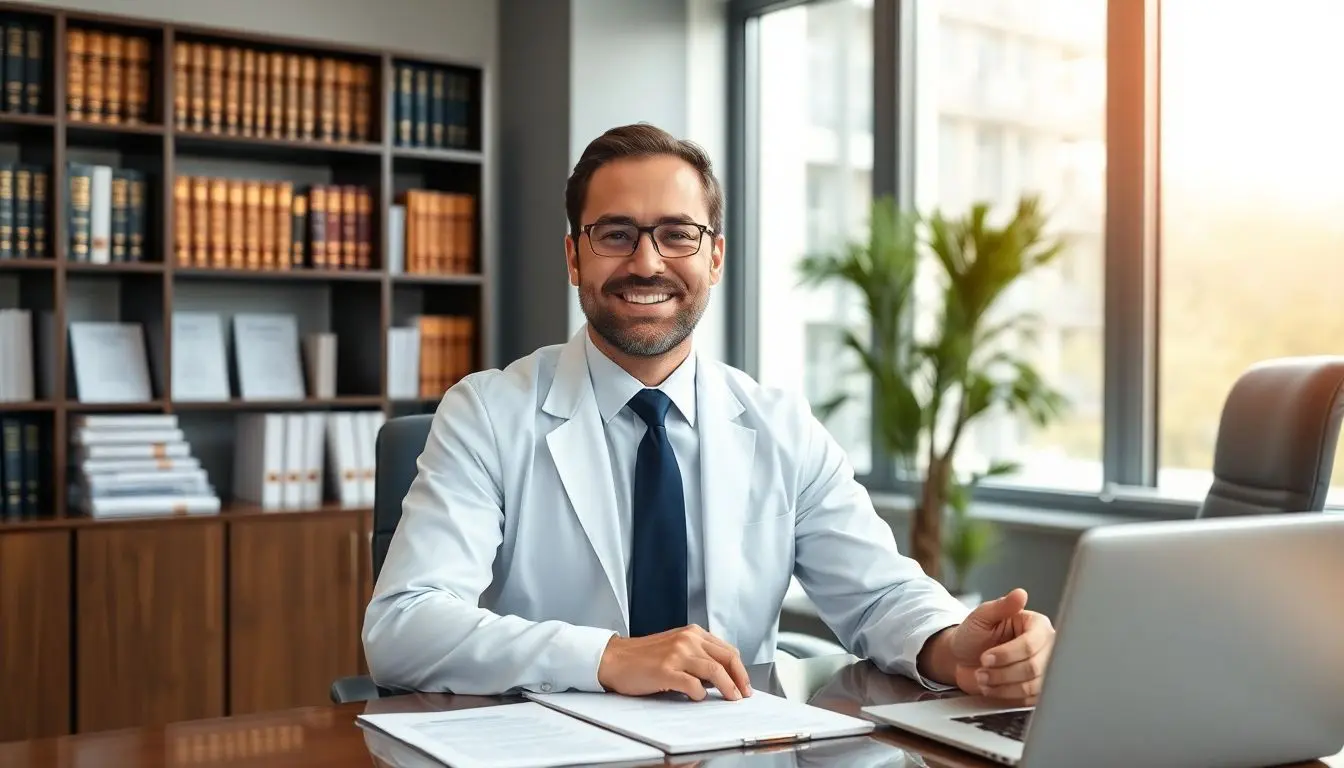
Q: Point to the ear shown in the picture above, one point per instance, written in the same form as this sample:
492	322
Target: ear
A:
572	259
716	260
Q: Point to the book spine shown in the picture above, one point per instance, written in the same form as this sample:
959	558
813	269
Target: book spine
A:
405	89
100	215
334	214
293	83
345	119
350	227
317	225
76	59
182	85
233	84
327	101
308	99
219	223
362	102
33	79
458	134
200	221
80	180
252	216
299	230
32	468
137	80
433	233
39	212
363	234
262	95
421	107
283	217
120	217
198	86
23	201
267	216
248	94
113	96
277	91
95	44
437	106
11	434
237	224
214	95
14	66
135	226
182	220
6	210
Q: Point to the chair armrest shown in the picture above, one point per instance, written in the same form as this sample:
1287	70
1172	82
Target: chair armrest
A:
358	688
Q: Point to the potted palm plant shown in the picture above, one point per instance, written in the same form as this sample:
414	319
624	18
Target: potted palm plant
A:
929	386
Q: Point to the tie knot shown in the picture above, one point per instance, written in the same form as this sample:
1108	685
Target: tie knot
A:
651	405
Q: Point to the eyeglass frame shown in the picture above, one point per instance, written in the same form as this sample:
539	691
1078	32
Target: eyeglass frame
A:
705	229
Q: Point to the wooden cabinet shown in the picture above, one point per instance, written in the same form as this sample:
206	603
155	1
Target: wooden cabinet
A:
35	634
296	603
149	613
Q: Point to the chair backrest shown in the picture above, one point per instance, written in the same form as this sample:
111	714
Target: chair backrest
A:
1275	449
400	441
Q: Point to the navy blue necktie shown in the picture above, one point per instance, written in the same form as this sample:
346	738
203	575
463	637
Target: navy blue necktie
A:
658	557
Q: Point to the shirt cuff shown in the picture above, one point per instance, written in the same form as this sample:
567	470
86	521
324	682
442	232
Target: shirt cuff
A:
575	655
916	642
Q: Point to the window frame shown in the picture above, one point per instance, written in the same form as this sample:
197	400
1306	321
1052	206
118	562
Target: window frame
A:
1131	239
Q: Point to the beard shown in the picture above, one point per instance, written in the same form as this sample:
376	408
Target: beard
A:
642	337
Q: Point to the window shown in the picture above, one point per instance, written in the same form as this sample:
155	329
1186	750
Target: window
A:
1252	236
814	190
1025	132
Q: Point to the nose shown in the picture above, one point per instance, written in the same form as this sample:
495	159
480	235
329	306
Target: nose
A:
645	261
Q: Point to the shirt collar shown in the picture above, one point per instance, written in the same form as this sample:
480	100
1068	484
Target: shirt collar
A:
613	386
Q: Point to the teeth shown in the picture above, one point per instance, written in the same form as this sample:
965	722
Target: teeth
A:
646	298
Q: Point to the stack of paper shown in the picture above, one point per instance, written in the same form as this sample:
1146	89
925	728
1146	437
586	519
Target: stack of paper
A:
583	728
136	464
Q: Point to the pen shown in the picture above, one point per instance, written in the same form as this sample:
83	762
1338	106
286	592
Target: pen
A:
784	738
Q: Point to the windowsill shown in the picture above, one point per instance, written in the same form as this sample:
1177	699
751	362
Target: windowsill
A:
896	507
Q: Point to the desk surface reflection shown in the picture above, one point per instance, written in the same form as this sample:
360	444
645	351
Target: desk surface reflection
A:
329	737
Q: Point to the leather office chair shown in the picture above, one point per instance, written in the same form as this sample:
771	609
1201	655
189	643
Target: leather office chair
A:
399	443
1275	449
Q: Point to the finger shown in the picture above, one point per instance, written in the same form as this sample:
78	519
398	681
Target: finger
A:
1019	672
687	684
731	659
1027	691
708	669
1024	646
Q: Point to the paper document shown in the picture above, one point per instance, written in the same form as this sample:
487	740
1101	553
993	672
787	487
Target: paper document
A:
523	735
676	724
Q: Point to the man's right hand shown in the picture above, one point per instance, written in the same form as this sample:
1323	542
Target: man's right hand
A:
676	660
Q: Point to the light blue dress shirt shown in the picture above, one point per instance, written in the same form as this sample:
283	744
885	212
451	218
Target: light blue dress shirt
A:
613	387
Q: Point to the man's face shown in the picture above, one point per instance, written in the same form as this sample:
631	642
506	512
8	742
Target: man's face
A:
644	304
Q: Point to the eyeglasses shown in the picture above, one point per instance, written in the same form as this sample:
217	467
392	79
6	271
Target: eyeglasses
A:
672	241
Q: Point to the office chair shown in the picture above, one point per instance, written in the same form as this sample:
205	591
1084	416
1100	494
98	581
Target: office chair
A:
399	443
1275	448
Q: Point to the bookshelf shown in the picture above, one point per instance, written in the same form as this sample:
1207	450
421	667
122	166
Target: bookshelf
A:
171	122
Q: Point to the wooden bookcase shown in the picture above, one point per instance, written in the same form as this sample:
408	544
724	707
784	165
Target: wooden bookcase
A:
111	623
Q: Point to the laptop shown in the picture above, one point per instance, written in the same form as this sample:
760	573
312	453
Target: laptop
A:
1211	642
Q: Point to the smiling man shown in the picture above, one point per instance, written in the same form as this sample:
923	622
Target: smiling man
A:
621	513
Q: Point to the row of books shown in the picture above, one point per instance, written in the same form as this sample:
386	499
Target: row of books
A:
288	459
21	47
135	464
23	211
266	352
240	91
106	76
432	233
106	212
24	474
432	107
238	224
430	356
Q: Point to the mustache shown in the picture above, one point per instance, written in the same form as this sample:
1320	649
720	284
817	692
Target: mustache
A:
660	284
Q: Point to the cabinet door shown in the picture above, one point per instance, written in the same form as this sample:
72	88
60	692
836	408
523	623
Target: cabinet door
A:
34	634
149	623
294	612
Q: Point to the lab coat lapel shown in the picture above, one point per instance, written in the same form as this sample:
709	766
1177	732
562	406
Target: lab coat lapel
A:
727	451
579	449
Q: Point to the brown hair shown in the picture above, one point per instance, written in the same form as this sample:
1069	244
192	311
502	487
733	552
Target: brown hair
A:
640	140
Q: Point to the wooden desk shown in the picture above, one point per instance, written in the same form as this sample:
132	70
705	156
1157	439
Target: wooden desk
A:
328	737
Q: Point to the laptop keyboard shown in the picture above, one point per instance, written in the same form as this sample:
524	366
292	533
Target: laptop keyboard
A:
1012	724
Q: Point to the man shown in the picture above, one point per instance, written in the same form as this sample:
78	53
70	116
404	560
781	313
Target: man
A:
619	513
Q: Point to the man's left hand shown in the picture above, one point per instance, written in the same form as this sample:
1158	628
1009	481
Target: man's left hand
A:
1001	650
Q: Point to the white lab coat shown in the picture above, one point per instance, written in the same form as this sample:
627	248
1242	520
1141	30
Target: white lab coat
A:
506	571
